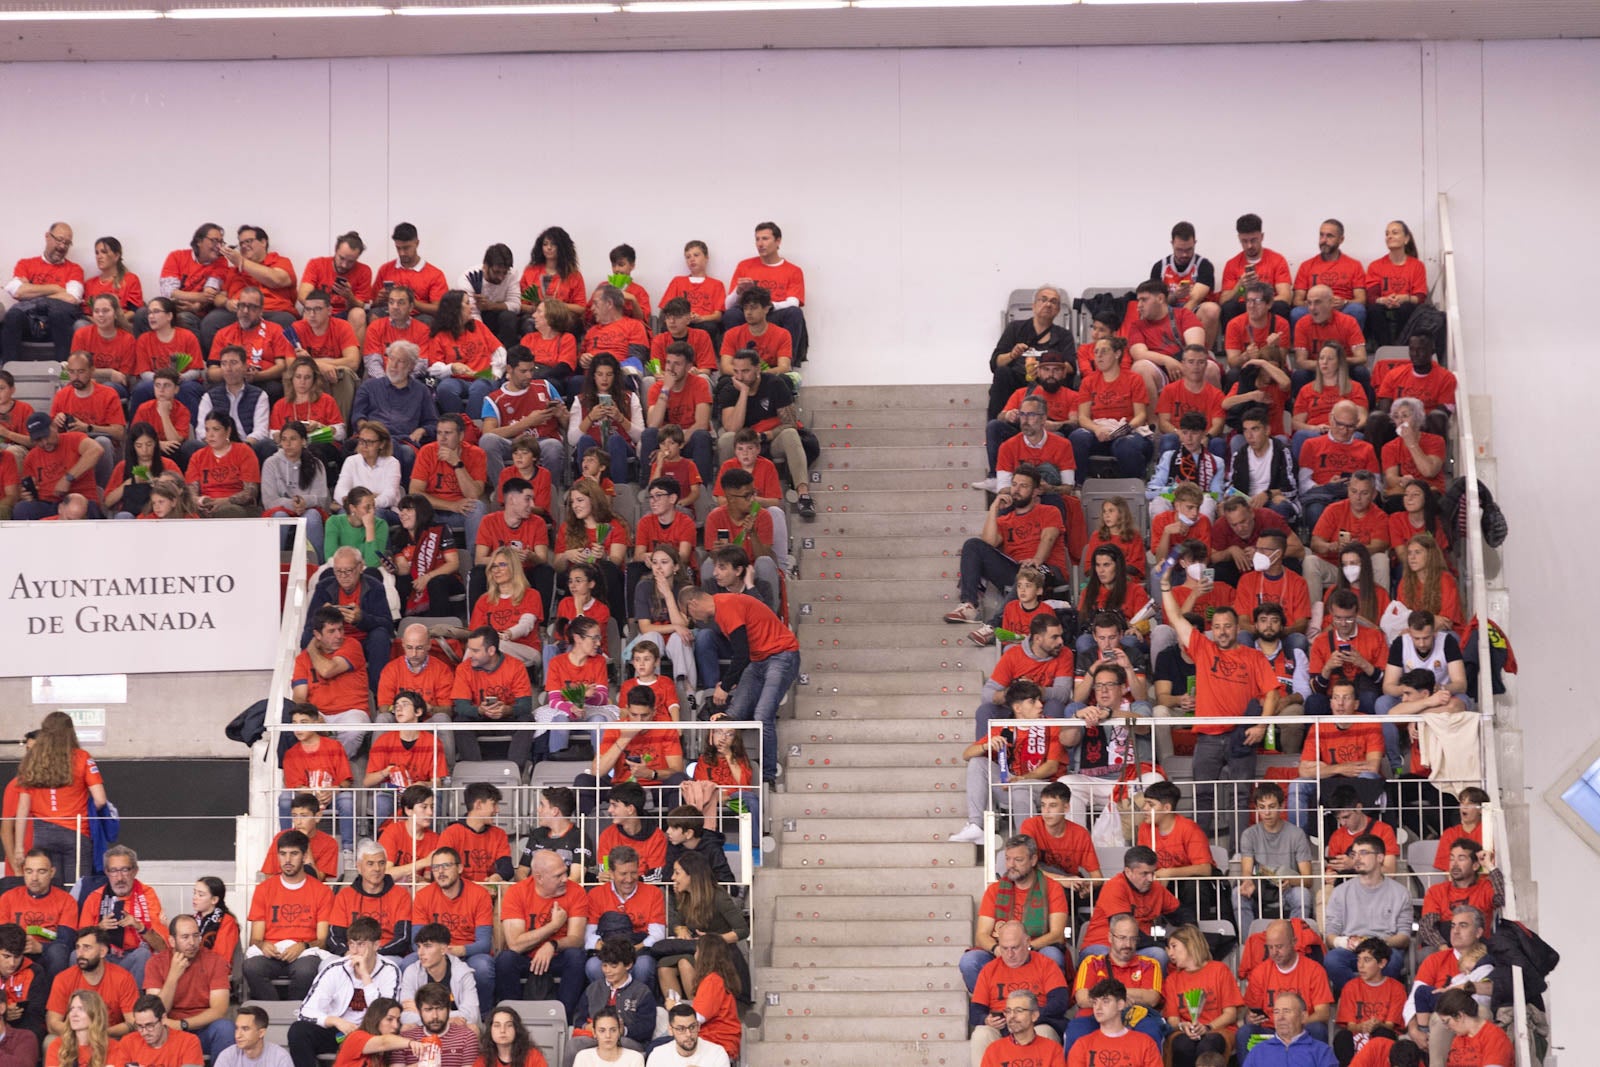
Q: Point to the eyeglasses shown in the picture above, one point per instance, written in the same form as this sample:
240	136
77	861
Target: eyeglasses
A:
685	1028
499	565
1362	852
658	495
443	866
247	305
367	441
120	870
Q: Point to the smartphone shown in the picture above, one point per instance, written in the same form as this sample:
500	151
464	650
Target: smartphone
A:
723	536
1208	574
634	759
30	488
605	400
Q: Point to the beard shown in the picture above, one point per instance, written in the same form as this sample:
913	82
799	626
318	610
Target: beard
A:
1050	386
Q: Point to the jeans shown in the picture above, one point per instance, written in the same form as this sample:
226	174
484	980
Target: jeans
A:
698	446
214	1037
60	319
1354	310
1132	452
1295	903
344	815
307	1041
982	563
54	957
68	850
1219	757
259	971
709	648
461	395
134	962
314	527
512	968
995	434
761	689
975	959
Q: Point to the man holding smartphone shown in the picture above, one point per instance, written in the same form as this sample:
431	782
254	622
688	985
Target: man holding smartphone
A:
346	280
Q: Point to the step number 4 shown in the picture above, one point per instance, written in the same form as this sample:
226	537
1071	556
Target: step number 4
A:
805	609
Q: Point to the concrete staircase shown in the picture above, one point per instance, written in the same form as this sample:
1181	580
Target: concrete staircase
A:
865	908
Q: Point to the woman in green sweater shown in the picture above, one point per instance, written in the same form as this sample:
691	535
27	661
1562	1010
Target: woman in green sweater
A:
358	526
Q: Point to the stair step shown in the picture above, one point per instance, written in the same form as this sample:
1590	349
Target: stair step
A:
823	593
860	831
946	1053
864	908
927	435
945	756
877	731
860	979
819	632
813	704
886	881
873	932
859	523
930	608
828	856
807	957
944	471
834	568
924	504
827	681
932	662
909	805
955	415
832	1004
808	1031
840	546
817	398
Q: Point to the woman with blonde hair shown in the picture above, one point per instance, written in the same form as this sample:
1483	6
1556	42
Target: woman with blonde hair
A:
592	534
1194	978
59	781
1427	584
87	1041
1313	404
509	605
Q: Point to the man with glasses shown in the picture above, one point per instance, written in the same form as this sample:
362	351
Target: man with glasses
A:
266	348
397	400
359	596
664	525
1349	650
686	1049
464	909
127	911
1035	445
1324	323
1328	462
46	293
1249	335
1061	408
338	999
1016	355
1014	1035
1355	519
331	341
193	278
1369	905
256	265
1015	969
755	531
154	1044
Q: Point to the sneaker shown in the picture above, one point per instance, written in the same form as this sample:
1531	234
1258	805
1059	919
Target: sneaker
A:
966	613
808	509
983	635
988	485
970	834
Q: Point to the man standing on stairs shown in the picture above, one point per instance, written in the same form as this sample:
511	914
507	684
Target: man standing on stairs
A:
764	663
1017	530
1023	895
1024	1044
1015	969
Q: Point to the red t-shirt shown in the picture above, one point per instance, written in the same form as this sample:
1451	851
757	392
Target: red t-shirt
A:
508	681
1307	978
439	479
208	973
1227	680
1039	976
325	768
1409	278
115	353
1054	450
129	292
1128	1049
462	915
1339	523
402	848
280	298
718	523
682	402
117	988
765	632
382	332
541	490
151	353
1442	896
323	409
320	273
767	485
1327	459
1288	591
1452	834
716	1005
343	692
1055	902
522	901
651	533
1031	747
1368	641
194	276
615	337
1118	896
773	344
569	288
1489	1047
291	914
1072	853
560	350
419	761
50	912
1359	1002
323	859
1397	454
1310	336
1015	663
506	407
782	280
1177	400
1241	334
706	296
102	407
1344	276
115	1057
1214	979
494	533
480	850
1340	840
503	613
330	345
1348	744
222	476
1183	846
1165	335
1022	531
178	416
652	847
47	468
647	906
1059	406
1037	1053
616	534
426	282
1113	399
1436	389
263	346
62	805
1271	269
475	347
1131	545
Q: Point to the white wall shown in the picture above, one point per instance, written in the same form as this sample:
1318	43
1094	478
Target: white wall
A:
918	188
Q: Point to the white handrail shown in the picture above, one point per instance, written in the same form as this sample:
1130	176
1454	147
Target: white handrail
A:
1467	467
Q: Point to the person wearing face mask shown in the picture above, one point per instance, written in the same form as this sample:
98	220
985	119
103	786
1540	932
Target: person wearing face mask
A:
1233	539
1270	582
1061	408
1357	518
1188	458
1172	529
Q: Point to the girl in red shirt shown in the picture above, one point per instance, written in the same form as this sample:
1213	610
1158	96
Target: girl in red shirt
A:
305	402
726	764
219	927
378	1036
165	344
108	342
553	270
1313	404
715	994
461	354
505	1043
1117	528
1111	396
582	667
87	1042
1194	969
1427	585
114	280
1108	588
1396	283
592	534
59	780
1372	598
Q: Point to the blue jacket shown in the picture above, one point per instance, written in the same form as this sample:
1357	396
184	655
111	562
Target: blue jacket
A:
400	410
374	603
1303	1051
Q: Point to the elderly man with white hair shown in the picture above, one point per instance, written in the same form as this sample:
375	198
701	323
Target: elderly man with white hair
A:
1017	352
400	403
358	594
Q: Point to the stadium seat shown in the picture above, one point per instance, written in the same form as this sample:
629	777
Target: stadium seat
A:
37	382
546	1023
1020	306
502	773
280	1014
1096	491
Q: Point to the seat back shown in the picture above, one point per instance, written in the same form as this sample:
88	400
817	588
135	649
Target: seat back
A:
280	1015
502	773
37	382
1096	491
546	1023
1019	306
1081	317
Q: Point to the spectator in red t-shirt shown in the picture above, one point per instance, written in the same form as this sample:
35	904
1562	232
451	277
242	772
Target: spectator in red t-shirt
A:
1158	335
1411	453
1345	276
1018	530
346	280
59	464
48	286
331	674
1254	263
1324	323
1113	407
316	764
1049	385
85	406
783	280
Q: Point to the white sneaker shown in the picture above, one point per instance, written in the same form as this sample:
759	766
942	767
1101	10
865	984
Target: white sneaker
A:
988	485
970	834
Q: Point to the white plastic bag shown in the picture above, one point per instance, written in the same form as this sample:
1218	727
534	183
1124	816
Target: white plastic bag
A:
1393	620
1108	832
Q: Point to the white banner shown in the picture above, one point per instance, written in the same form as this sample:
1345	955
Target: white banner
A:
155	597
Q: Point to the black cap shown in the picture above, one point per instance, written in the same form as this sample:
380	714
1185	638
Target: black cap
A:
38	426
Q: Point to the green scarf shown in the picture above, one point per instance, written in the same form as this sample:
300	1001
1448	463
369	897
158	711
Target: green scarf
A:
1035	919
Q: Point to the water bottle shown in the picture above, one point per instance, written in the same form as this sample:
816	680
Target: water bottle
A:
1005	757
1270	742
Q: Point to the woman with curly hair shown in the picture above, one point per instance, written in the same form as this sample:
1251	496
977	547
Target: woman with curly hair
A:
552	271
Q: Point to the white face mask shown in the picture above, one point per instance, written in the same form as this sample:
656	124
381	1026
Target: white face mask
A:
1195	570
1260	561
1186	519
1352	571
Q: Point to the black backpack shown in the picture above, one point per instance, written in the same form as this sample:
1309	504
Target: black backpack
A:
1454	508
1105	303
